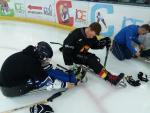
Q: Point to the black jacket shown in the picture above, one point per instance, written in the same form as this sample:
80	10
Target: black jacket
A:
20	67
76	43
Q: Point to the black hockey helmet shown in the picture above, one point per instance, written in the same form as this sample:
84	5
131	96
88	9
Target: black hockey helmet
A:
41	108
44	50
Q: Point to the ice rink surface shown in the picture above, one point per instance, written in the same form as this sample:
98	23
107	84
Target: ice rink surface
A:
95	96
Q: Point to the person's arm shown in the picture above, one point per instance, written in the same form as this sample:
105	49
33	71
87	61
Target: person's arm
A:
100	44
68	47
29	50
137	41
141	46
129	42
35	72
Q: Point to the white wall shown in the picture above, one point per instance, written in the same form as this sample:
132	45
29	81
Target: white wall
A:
80	13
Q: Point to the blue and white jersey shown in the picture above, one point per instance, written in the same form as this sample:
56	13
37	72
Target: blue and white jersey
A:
56	79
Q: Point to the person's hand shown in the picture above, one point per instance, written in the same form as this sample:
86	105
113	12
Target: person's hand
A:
108	42
137	54
70	85
141	47
105	42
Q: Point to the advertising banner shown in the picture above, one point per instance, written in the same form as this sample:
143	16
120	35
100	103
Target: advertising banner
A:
40	9
80	12
6	7
19	6
64	12
114	17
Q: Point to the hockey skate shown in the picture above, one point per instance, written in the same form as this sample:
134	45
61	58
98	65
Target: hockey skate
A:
116	80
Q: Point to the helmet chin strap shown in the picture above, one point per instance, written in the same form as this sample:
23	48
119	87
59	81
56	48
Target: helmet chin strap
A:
45	62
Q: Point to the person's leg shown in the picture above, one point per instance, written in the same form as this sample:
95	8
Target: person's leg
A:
117	51
145	53
62	76
103	21
59	79
88	59
17	90
127	53
92	61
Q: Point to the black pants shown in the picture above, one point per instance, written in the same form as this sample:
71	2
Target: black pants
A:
90	60
145	53
121	52
17	90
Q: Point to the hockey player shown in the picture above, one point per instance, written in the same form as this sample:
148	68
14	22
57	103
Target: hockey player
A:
30	69
101	19
122	47
75	50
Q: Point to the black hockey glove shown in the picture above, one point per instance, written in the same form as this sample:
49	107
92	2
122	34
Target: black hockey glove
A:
105	42
142	77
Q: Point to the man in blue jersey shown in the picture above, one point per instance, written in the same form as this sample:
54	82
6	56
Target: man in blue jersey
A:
122	47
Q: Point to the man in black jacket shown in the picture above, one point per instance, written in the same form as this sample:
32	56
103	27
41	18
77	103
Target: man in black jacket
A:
22	67
30	69
76	46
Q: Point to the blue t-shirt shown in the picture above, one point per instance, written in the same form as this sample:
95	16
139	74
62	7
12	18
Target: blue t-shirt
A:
127	35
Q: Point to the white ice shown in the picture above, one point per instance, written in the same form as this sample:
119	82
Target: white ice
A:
95	96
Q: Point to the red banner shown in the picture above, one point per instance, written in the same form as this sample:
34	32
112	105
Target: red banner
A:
63	14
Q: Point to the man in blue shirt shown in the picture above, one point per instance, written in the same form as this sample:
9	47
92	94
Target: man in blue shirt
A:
122	47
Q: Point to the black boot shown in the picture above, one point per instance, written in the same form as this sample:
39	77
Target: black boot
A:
113	79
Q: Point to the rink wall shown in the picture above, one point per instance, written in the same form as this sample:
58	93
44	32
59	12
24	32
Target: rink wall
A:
68	14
